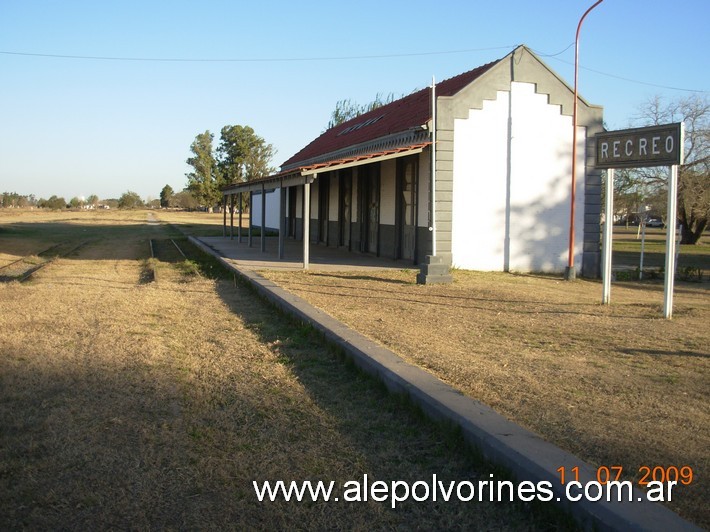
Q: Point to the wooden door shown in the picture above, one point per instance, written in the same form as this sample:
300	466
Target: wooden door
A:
407	180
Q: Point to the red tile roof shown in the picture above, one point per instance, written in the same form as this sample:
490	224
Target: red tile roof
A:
399	116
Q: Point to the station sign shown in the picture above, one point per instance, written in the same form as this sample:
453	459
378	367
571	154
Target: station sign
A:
640	147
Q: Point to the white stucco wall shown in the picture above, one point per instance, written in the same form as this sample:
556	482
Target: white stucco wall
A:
511	188
272	209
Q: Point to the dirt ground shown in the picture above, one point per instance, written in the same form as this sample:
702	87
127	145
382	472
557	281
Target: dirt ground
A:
133	403
616	385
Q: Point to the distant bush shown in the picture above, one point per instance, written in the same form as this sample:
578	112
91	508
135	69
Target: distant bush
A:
130	200
55	203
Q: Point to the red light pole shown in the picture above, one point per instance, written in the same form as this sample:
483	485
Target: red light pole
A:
570	271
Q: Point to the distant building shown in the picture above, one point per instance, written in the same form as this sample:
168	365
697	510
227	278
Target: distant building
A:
501	139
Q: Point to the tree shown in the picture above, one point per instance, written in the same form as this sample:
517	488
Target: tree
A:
694	174
9	199
184	200
204	181
166	195
629	194
344	110
55	203
92	200
76	202
243	155
129	200
348	109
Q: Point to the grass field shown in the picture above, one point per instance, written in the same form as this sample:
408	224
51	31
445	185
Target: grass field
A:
693	261
140	393
616	385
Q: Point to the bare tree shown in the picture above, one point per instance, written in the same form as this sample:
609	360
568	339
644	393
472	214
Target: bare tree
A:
694	175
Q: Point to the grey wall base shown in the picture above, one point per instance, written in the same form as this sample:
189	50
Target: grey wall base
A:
434	270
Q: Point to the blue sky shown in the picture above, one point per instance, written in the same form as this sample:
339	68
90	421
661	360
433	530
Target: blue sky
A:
75	127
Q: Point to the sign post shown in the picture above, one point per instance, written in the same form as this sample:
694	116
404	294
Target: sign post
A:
670	242
637	148
607	237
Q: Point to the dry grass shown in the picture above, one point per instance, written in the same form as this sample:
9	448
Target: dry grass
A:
615	385
127	404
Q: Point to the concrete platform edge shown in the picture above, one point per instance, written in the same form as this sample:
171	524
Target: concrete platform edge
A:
527	456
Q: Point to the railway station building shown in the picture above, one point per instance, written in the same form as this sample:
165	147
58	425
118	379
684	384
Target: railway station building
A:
473	173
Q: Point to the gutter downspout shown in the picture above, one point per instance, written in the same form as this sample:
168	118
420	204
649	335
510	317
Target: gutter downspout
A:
432	228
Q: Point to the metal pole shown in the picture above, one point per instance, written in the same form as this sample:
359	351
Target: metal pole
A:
607	237
670	242
306	222
643	245
570	272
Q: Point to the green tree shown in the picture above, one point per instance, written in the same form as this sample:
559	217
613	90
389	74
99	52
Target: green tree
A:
166	195
204	181
130	200
13	199
184	200
9	199
694	174
243	155
92	200
55	203
76	203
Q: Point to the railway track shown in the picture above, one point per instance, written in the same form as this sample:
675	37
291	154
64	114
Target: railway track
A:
166	250
23	268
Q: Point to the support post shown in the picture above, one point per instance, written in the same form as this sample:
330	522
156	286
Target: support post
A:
643	246
672	216
250	237
306	222
239	229
263	218
282	218
231	216
224	215
607	237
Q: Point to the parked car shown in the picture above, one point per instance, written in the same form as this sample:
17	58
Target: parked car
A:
655	222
